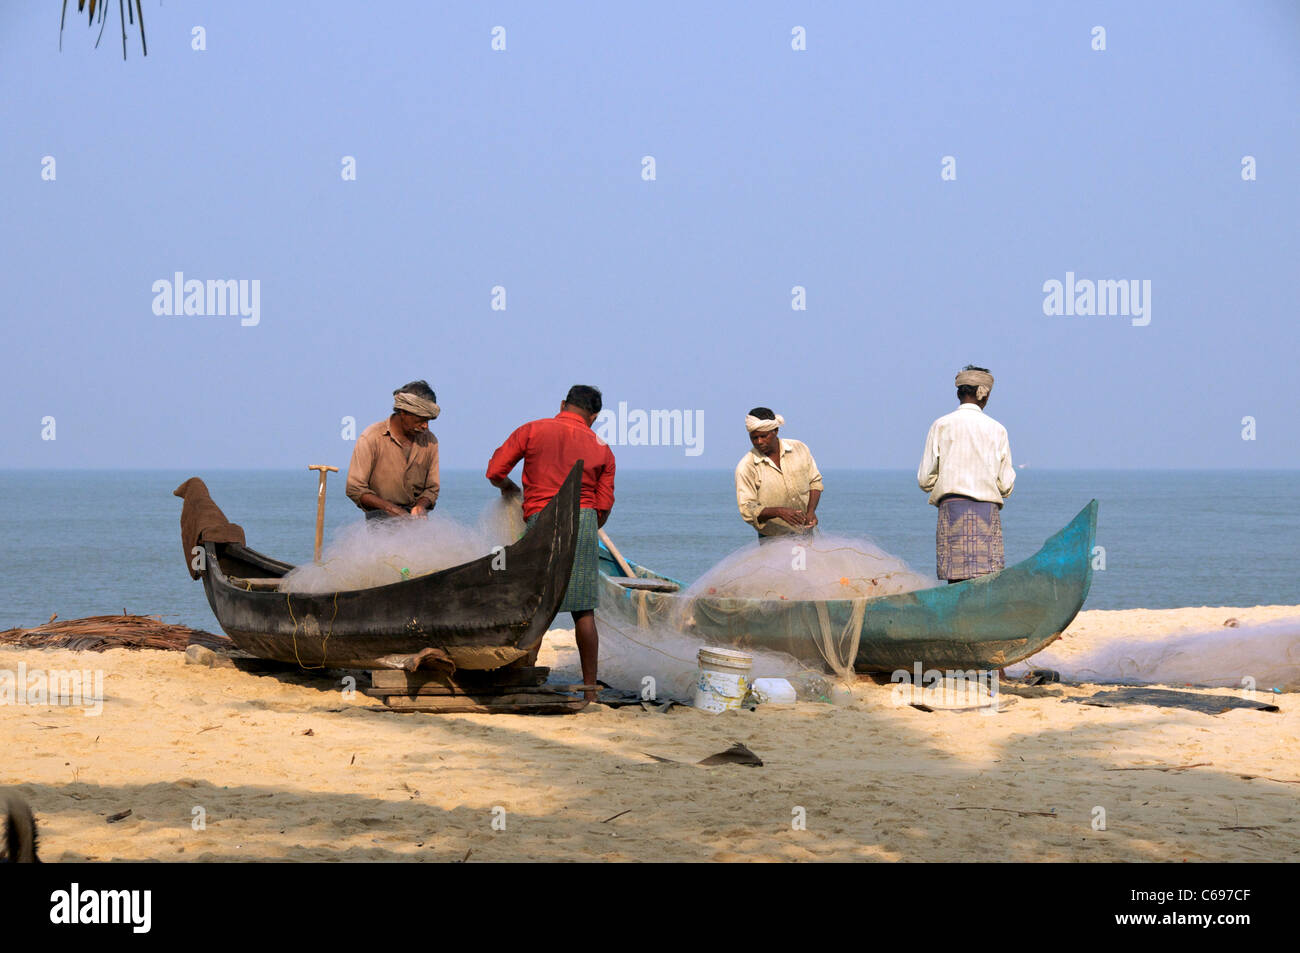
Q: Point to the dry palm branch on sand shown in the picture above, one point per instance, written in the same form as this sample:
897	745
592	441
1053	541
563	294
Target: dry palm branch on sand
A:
124	12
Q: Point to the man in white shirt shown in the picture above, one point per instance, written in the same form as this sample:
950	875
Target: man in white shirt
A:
778	484
966	469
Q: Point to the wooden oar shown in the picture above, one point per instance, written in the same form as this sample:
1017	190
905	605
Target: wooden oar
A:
320	504
630	579
613	551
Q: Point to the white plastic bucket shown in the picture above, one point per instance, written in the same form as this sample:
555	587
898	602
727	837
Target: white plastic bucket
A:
723	679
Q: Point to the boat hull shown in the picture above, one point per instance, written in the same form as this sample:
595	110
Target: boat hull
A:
482	614
982	623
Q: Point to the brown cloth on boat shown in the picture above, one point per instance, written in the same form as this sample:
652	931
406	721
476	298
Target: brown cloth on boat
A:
202	521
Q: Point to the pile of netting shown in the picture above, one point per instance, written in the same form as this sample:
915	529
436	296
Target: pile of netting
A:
827	581
381	552
1263	656
819	566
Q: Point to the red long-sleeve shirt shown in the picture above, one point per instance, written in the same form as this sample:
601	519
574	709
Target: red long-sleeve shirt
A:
549	448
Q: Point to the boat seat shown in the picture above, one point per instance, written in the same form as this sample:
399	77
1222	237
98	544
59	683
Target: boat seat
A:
650	585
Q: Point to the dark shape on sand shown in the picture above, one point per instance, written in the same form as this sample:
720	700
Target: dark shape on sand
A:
20	832
1165	698
98	633
736	754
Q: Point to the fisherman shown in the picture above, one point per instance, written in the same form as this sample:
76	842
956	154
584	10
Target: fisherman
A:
966	469
778	484
394	468
549	448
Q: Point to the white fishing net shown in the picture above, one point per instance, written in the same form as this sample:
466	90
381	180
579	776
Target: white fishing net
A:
1266	654
380	552
831	578
817	566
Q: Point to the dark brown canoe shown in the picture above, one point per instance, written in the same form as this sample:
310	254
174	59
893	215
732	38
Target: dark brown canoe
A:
480	617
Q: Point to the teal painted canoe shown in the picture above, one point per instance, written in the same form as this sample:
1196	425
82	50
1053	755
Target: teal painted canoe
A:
987	622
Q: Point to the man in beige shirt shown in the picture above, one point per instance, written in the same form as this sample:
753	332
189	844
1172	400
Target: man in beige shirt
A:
966	469
778	484
394	468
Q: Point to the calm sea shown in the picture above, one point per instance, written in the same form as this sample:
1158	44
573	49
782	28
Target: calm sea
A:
93	542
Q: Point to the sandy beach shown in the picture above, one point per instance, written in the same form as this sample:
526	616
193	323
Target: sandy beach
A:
285	767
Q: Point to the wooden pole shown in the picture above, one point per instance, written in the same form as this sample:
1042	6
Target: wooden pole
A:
320	504
613	551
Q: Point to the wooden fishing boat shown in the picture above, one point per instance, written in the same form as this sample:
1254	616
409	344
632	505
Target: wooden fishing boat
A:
983	623
473	616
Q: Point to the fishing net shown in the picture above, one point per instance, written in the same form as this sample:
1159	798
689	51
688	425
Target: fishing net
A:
796	603
1265	655
381	552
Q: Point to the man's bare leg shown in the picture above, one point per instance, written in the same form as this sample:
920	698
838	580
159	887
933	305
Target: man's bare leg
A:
584	631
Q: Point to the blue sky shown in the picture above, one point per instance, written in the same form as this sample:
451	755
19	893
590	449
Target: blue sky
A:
775	168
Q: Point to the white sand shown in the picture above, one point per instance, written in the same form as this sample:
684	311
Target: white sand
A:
875	781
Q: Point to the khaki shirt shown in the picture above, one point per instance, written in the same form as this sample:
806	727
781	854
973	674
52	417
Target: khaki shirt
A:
402	476
759	484
966	452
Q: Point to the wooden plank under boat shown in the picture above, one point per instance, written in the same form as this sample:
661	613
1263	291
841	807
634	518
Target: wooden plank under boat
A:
472	615
982	623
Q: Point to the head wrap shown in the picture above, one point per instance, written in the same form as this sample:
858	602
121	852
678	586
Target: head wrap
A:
414	404
758	423
982	381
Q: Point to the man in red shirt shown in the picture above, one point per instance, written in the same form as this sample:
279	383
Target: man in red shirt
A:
549	448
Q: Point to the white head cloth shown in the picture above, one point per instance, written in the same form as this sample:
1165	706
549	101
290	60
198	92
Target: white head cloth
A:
753	423
982	381
413	404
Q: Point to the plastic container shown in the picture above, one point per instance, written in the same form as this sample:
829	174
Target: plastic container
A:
723	679
773	691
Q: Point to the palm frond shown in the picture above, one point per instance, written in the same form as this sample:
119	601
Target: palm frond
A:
125	14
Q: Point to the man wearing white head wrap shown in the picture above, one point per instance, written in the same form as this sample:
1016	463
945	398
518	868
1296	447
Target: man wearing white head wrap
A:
966	469
394	468
778	484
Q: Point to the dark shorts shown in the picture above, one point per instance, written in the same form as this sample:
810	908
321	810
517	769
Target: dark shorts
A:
968	539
